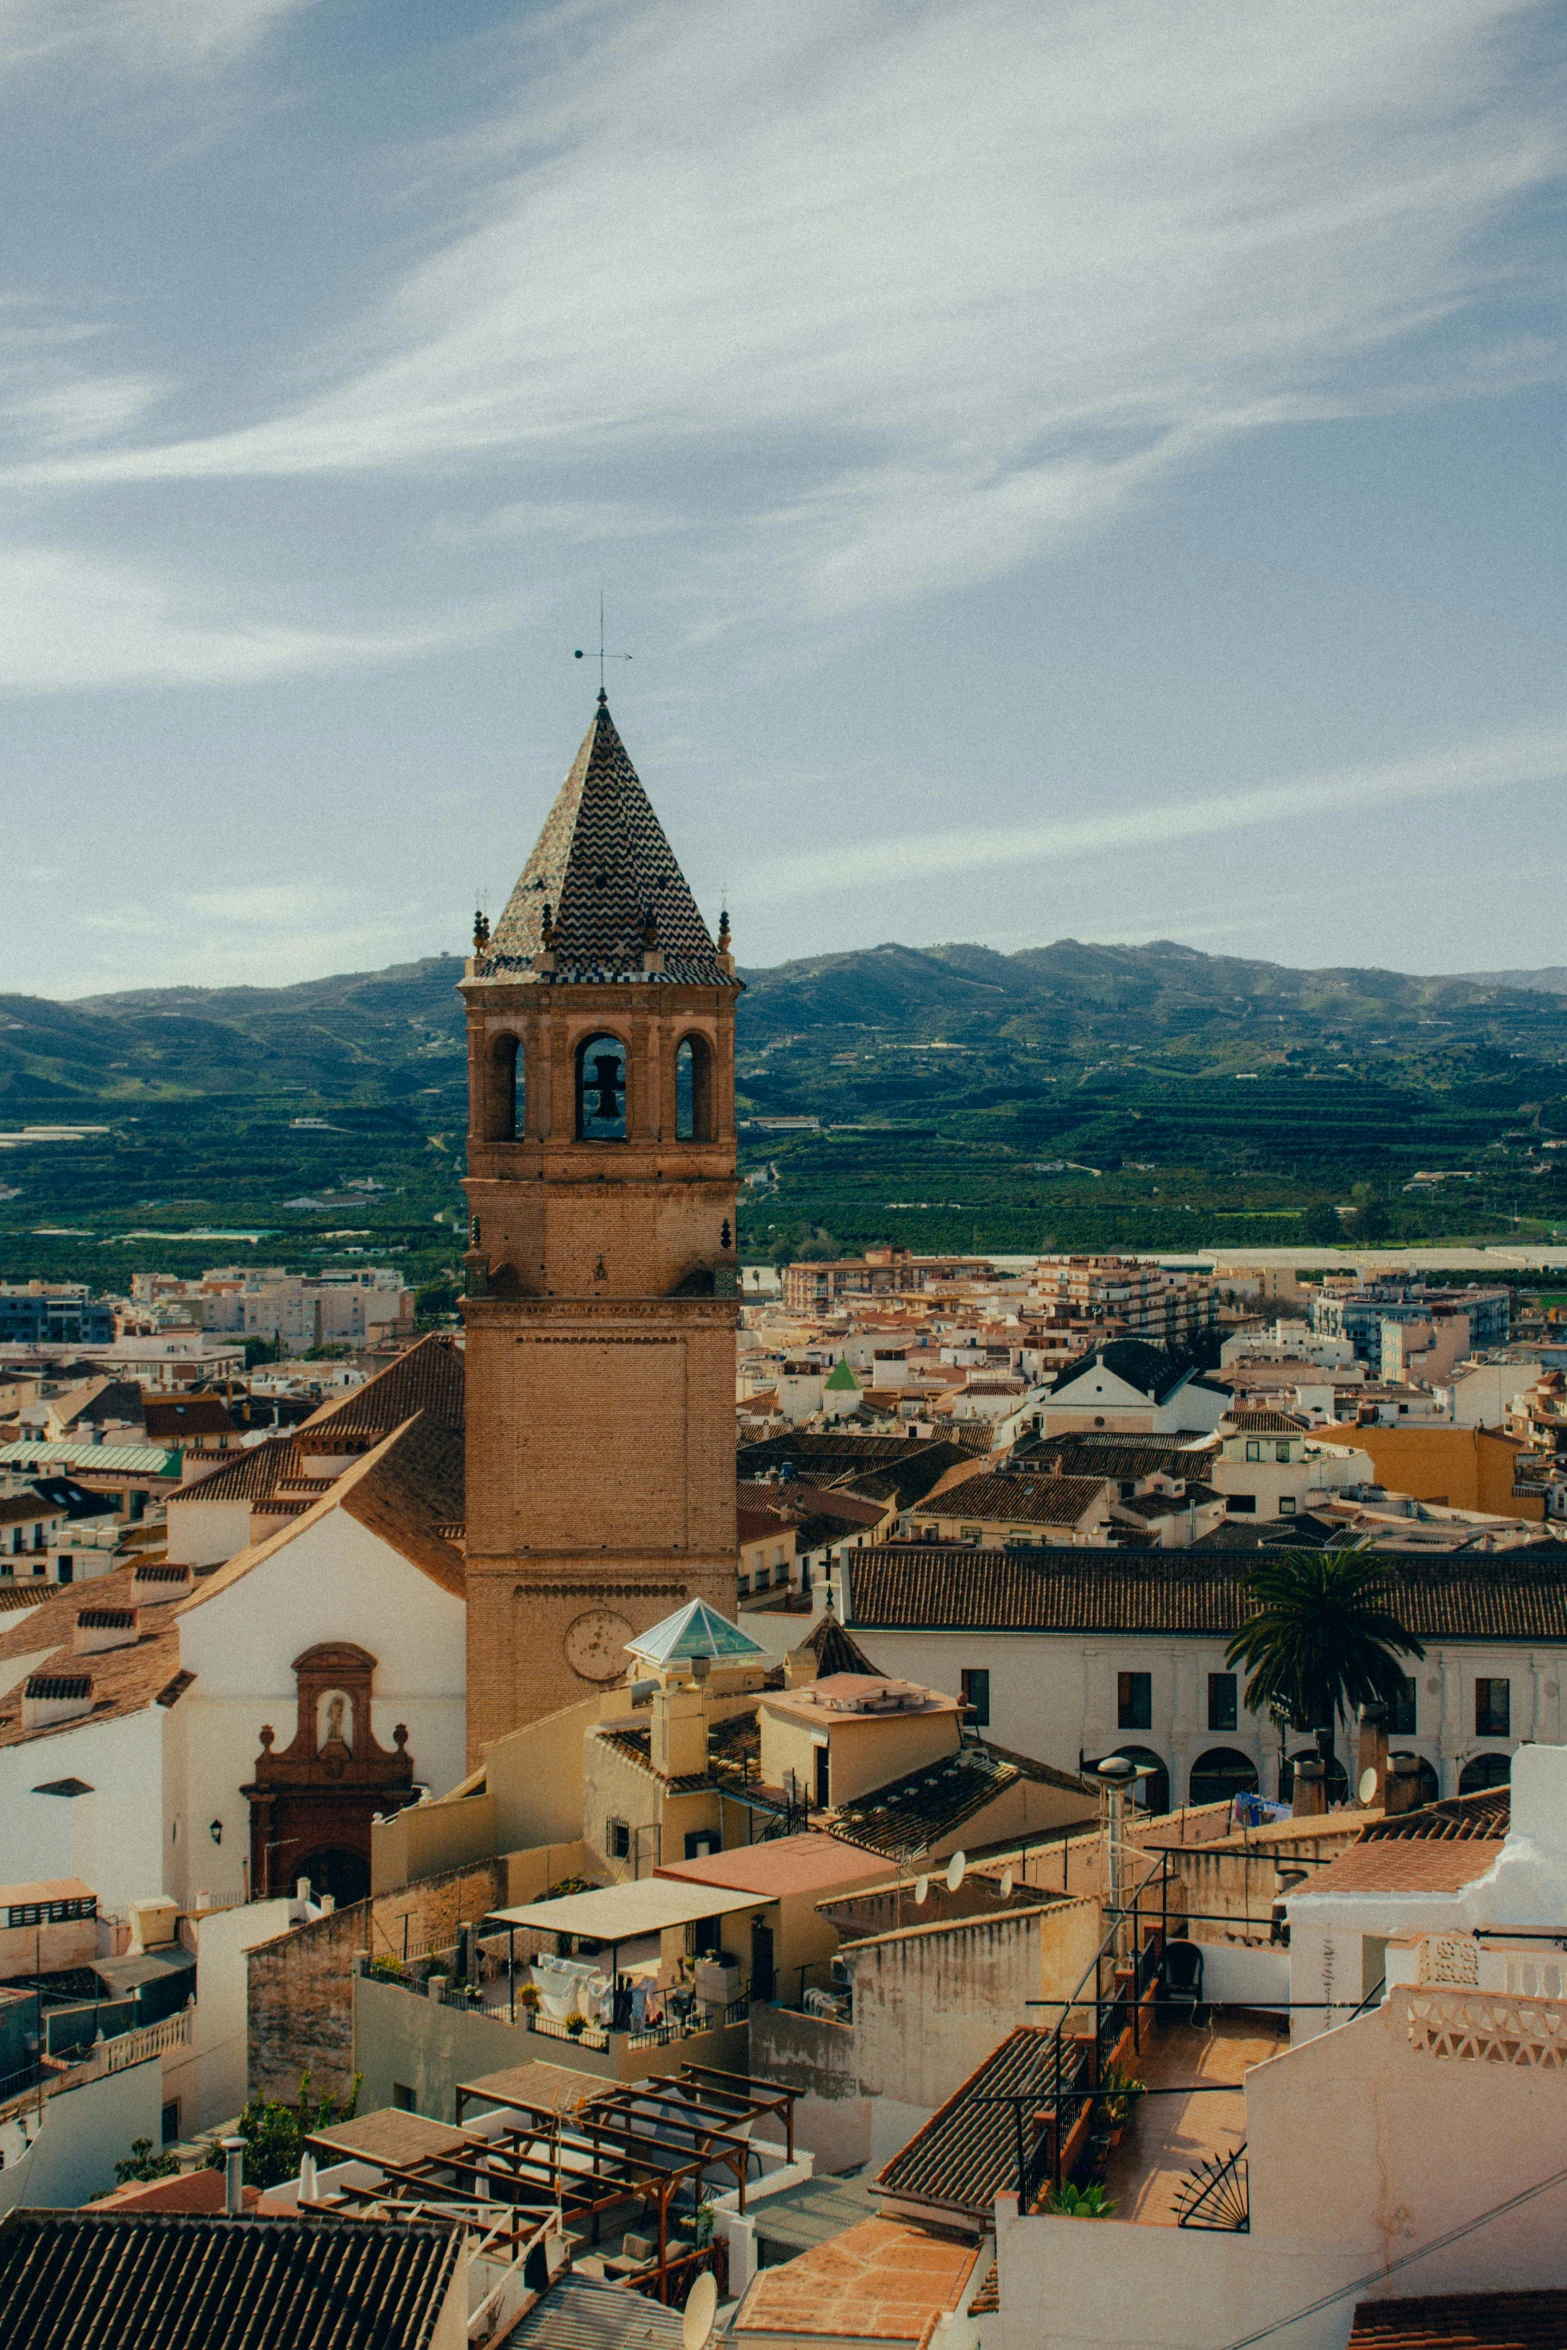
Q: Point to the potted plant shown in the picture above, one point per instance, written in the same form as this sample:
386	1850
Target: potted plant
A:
1119	2091
1069	2202
576	2025
528	1997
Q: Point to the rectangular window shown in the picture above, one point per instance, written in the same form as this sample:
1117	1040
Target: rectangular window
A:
617	1839
1493	1709
1134	1701
169	2125
1241	1504
976	1696
1221	1701
1281	1452
1286	1505
1401	1713
823	1777
1253	1449
403	2098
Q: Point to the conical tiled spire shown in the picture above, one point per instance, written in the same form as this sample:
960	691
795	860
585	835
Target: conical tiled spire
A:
602	879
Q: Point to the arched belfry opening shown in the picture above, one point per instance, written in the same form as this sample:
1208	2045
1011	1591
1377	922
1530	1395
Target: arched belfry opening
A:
508	1090
694	1090
601	1090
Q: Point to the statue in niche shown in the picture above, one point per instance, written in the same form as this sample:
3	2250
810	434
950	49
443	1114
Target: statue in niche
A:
337	1722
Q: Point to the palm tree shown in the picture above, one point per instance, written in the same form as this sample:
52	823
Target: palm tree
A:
1321	1640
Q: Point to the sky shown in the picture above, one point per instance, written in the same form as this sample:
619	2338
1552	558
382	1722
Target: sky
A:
1060	468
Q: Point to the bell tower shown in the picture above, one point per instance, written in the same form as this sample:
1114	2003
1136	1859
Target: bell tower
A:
601	1274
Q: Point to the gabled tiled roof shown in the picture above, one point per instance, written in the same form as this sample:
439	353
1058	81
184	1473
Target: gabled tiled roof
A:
120	1680
1037	1500
428	1378
142	2280
1150	1369
1245	1423
910	1815
967	2153
1087	1454
252	1474
406	1489
170	1419
833	1649
1455	1819
1463	2321
949	1587
601	865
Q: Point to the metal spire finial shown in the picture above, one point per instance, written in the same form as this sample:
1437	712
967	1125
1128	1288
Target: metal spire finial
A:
580	655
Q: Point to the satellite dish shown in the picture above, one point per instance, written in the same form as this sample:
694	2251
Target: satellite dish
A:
921	1888
1008	1880
955	1868
701	2308
1368	1786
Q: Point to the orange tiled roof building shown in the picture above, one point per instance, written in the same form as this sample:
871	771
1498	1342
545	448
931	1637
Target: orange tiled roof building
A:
601	1271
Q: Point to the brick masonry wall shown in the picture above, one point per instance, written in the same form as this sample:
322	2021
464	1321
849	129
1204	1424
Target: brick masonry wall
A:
300	2003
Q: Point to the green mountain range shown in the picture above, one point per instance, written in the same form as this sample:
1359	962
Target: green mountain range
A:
1072	1095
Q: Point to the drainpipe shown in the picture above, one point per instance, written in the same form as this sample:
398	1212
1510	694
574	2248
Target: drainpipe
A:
233	2177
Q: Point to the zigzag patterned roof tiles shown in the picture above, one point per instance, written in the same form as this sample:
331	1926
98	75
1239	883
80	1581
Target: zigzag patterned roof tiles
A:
600	866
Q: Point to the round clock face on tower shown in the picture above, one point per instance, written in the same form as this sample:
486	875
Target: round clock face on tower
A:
595	1644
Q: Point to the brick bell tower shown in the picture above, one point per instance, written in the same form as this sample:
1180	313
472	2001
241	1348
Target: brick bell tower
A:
601	1271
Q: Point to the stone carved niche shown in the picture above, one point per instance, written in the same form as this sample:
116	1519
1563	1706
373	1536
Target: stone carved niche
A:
313	1800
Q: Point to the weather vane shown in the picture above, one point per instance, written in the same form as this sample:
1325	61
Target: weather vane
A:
603	656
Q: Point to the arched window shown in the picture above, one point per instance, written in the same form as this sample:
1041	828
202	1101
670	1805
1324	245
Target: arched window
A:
694	1091
508	1090
1337	1781
1152	1793
601	1090
1485	1770
1221	1773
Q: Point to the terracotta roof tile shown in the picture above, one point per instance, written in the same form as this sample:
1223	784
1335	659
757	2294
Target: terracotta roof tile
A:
881	2280
428	1378
967	2153
67	2277
1038	1500
783	1865
1463	2321
123	1680
949	1586
1401	1866
252	1474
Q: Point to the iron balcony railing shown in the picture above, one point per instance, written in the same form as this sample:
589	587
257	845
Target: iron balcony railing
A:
1216	2195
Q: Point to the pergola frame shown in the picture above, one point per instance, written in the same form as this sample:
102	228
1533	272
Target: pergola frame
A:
530	2171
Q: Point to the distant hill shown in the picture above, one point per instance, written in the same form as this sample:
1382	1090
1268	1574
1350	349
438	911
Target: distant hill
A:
384	1036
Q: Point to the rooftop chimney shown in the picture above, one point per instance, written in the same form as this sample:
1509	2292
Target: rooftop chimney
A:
98	1628
1311	1788
233	2177
48	1698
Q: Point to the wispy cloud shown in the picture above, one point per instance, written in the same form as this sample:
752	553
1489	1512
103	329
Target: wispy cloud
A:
70	619
146	35
964	277
1506	764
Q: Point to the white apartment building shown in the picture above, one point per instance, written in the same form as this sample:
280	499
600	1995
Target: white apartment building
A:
1068	1655
354	1309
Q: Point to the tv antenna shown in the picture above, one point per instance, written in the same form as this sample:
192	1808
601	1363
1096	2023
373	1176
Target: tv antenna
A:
603	656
